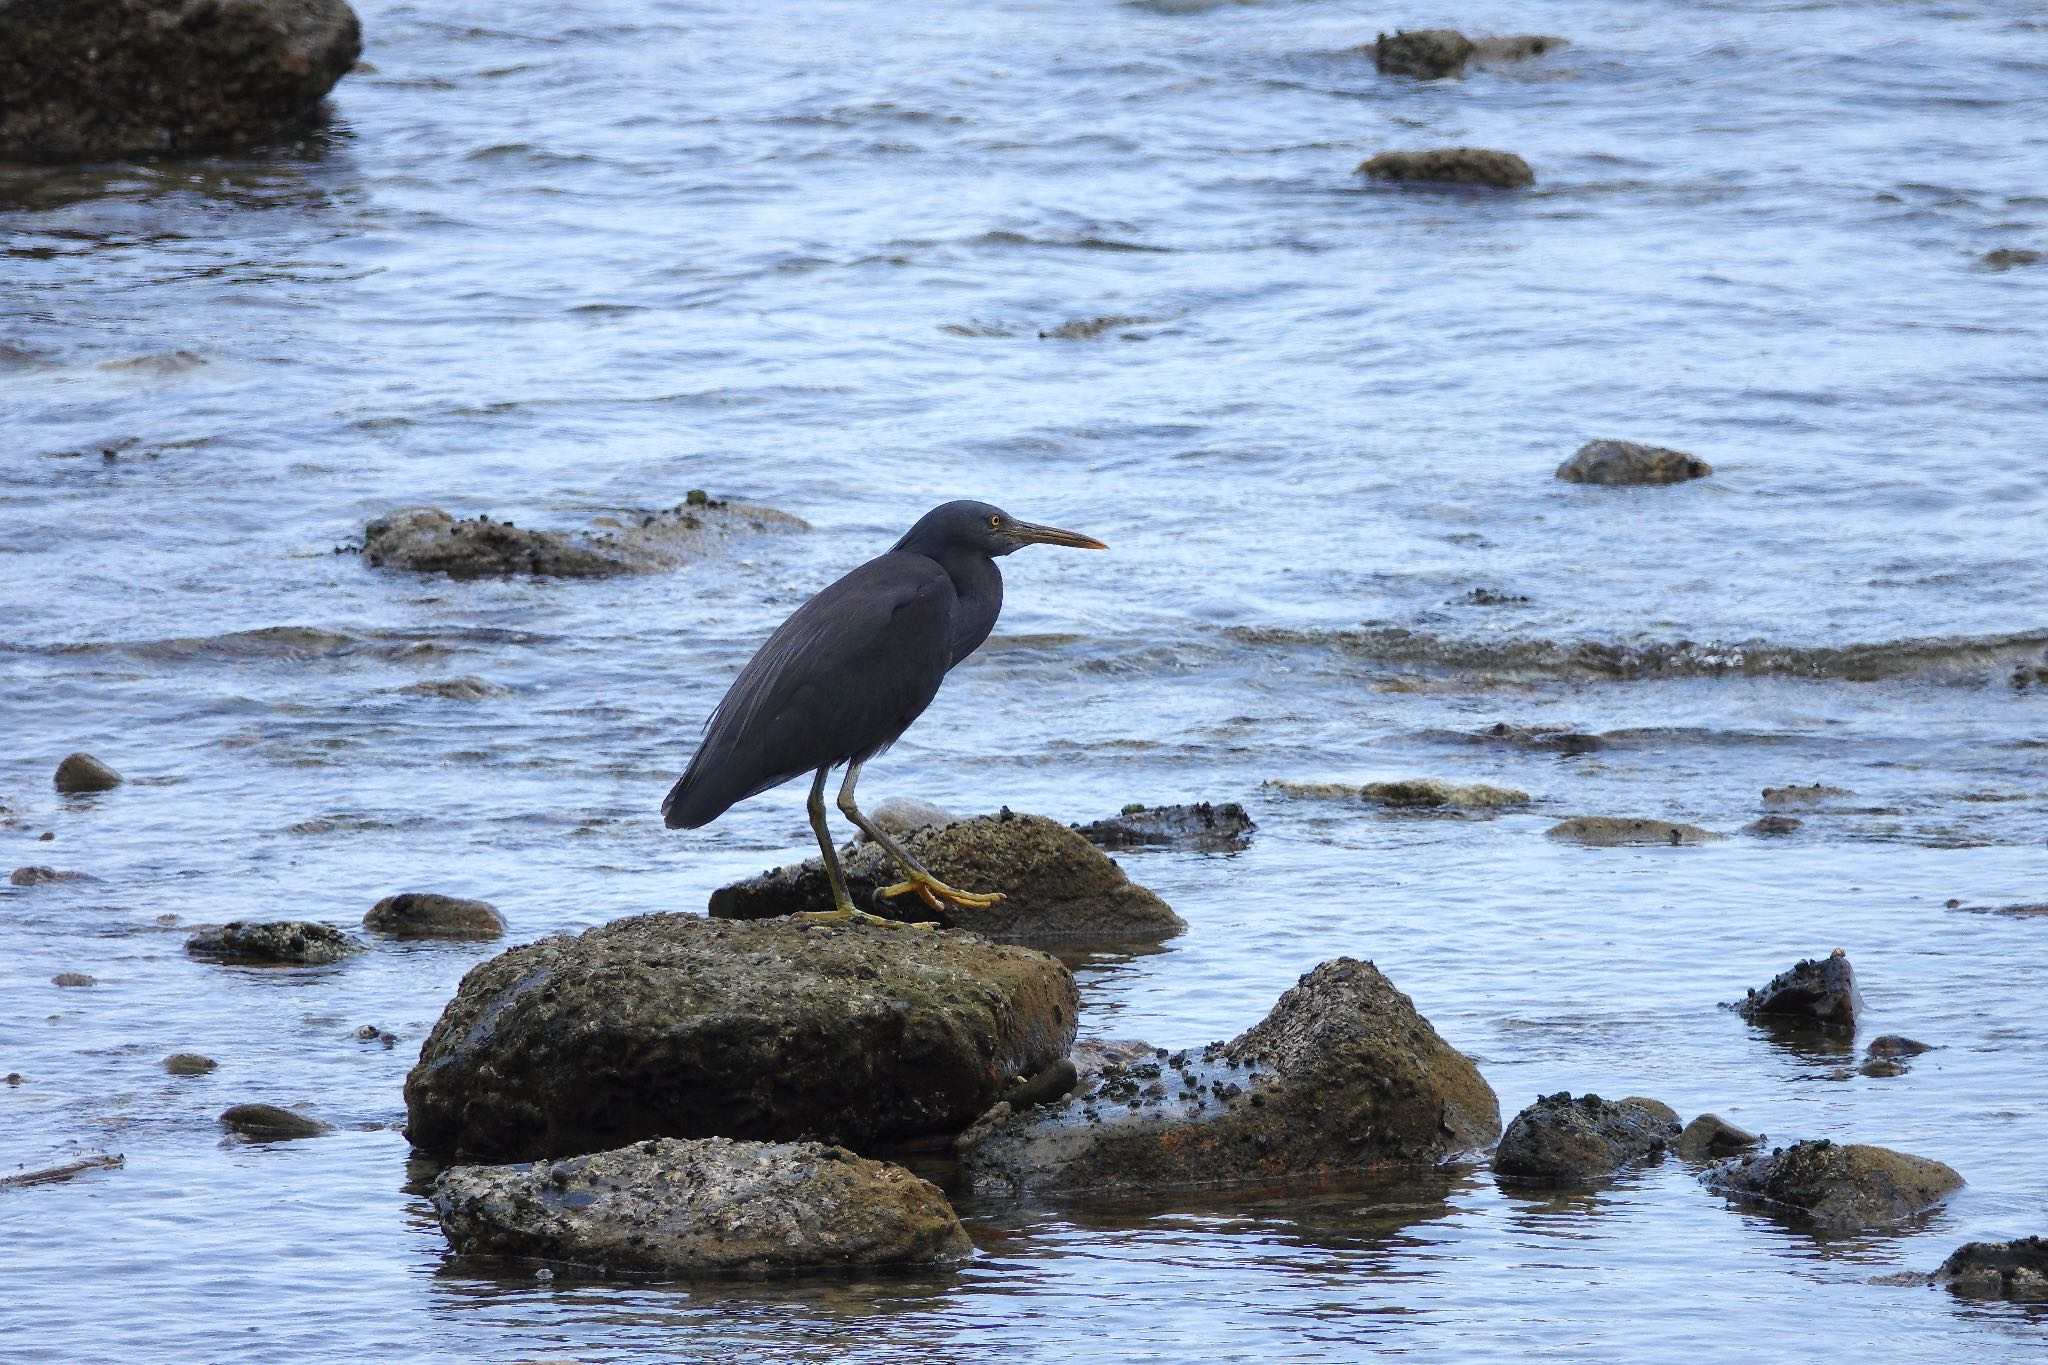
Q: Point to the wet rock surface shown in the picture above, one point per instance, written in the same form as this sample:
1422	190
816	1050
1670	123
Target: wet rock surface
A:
284	943
1056	885
1711	1137
1561	1142
427	914
1626	462
1451	166
1425	53
108	78
1219	828
1342	1075
1607	831
189	1064
44	876
1838	1187
268	1122
1818	991
707	1206
83	773
428	540
677	1025
2016	1270
1429	793
74	979
1893	1045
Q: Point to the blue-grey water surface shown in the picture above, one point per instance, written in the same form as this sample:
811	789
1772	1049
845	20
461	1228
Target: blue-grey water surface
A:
549	262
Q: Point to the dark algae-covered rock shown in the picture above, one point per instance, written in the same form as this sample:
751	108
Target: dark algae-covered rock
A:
708	1206
2016	1270
428	914
109	78
1055	884
1342	1076
1893	1045
428	540
284	943
1432	793
1452	166
267	1122
675	1025
1425	53
1710	1137
1819	991
1560	1141
1217	828
83	773
1626	462
1838	1187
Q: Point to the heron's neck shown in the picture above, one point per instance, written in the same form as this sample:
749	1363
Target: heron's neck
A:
979	585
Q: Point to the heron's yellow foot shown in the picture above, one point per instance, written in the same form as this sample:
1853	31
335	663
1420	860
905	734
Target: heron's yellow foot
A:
938	895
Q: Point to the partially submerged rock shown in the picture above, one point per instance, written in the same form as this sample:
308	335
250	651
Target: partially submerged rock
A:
267	1122
189	1064
1817	991
1426	53
681	1026
74	979
1452	166
1893	1045
1220	828
2006	257
709	1206
453	689
428	540
428	914
1710	1137
2016	1270
1607	831
108	78
1056	885
1839	1187
1428	793
1626	462
1564	1142
83	773
290	943
43	876
1770	826
1087	329
1812	794
1515	47
1342	1076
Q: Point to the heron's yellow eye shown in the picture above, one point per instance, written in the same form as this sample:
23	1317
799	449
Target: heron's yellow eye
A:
995	523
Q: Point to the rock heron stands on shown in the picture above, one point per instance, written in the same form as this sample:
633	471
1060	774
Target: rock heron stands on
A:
844	677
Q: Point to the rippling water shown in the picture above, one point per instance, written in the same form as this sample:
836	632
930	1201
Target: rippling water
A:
550	262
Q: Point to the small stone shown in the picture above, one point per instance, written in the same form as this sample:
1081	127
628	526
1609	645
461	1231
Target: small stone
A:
1881	1067
1426	53
278	943
1819	990
1893	1045
1563	1142
83	773
1452	166
1626	462
1055	1082
427	914
74	979
1773	825
1710	1136
189	1064
13	1078
1606	831
266	1122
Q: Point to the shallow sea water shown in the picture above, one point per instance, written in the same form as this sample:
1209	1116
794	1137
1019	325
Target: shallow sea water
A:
553	262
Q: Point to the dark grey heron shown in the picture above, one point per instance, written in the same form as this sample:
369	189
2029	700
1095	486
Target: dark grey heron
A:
847	673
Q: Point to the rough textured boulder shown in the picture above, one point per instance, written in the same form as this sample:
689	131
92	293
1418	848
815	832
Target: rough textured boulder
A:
1429	793
1343	1075
1711	1137
1817	991
268	1123
1562	1142
1839	1187
1452	166
2016	1270
84	773
427	914
1220	828
107	78
1426	53
1056	885
428	540
1608	831
704	1207
1625	462
675	1025
284	943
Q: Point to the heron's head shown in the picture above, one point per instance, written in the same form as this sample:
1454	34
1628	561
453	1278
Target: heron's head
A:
976	526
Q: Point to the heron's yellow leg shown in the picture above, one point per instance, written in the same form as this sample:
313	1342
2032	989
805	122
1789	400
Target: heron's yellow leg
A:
917	877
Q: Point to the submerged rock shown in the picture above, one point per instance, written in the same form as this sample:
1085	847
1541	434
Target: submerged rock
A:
1342	1075
43	876
1056	885
2016	1270
1087	329
74	979
703	1207
1452	166
189	1064
1818	990
453	689
1608	831
899	815
1626	462
428	540
1515	47
1432	792
1426	53
2006	257
1892	1045
1710	1137
1770	826
108	78
1813	794
1840	1187
267	1122
677	1025
428	914
1220	828
290	942
84	773
1560	1141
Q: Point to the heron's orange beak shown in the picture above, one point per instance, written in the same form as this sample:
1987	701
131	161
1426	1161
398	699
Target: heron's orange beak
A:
1024	533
